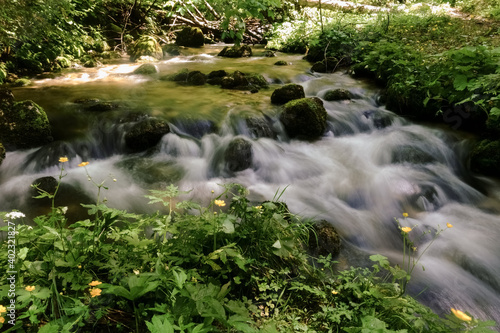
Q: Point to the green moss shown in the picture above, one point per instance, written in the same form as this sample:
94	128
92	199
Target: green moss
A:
146	69
485	158
21	83
304	118
145	46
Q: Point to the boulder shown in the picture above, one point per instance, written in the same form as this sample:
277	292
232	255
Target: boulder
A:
304	118
327	65
196	78
215	77
190	37
145	46
337	95
23	124
324	240
234	81
256	81
238	155
280	63
44	184
146	69
22	82
485	158
236	51
180	76
287	93
100	106
269	54
2	153
146	134
259	127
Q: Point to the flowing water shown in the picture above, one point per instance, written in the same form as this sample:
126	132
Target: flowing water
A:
369	167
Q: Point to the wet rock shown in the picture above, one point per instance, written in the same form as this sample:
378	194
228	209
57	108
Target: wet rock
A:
269	54
86	100
325	66
146	134
171	50
411	154
2	153
238	155
190	37
485	158
287	93
236	51
259	127
324	240
100	106
149	171
180	76
380	120
304	118
23	124
215	77
44	184
196	78
21	83
146	69
281	63
197	128
257	81
145	46
234	81
337	95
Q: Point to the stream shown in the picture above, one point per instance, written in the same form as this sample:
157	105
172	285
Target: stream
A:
369	168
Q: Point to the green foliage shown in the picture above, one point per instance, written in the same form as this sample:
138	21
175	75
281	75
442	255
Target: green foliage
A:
231	266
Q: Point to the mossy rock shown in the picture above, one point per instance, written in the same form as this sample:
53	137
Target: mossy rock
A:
190	37
259	127
24	125
238	155
257	80
6	98
92	63
281	63
338	95
304	118
287	93
2	153
325	66
145	46
22	82
171	50
269	54
236	80
485	158
324	240
146	134
146	69
180	76
236	51
215	77
196	78
148	171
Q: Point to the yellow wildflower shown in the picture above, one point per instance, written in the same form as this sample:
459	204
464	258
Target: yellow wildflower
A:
405	214
258	207
449	225
83	164
95	292
63	159
406	229
220	203
3	309
94	283
30	288
460	315
2	320
79	266
335	292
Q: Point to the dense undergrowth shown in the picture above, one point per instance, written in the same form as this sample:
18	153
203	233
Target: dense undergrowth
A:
232	266
434	62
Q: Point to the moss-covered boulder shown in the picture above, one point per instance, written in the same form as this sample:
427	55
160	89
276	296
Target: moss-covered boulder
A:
327	65
215	77
281	63
23	82
2	153
287	93
337	95
236	51
146	134
190	37
485	158
235	80
22	124
171	50
304	118
145	46
238	155
146	69
196	78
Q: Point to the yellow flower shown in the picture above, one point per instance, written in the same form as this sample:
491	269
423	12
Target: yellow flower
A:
83	164
3	309
335	292
30	288
2	320
94	283
220	203
258	207
460	315
406	229
449	225
63	159
405	214
79	266
95	292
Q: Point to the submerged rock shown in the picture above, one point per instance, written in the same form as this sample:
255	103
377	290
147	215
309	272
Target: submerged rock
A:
22	124
287	93
190	37
236	51
485	158
146	134
304	118
238	155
